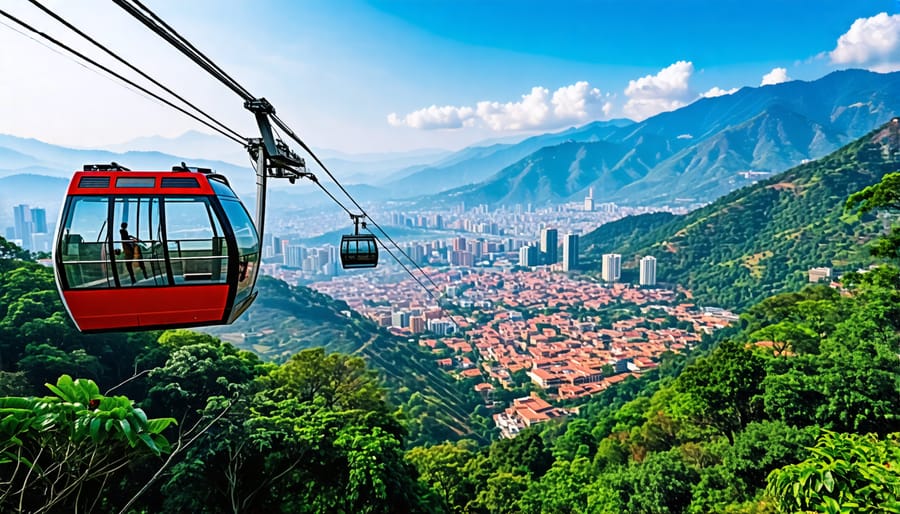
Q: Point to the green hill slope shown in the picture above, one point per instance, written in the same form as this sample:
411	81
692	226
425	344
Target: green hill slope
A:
761	239
285	320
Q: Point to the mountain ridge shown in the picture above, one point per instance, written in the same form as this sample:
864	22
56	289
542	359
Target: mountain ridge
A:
794	121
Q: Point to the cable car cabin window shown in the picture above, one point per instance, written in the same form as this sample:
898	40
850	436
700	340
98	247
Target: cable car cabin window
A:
84	247
196	244
247	243
137	239
220	188
148	182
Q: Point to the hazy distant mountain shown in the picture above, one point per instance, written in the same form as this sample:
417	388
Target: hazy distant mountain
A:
191	144
376	168
703	150
352	168
474	164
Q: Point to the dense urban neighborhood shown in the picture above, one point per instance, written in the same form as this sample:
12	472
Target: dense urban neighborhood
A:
569	337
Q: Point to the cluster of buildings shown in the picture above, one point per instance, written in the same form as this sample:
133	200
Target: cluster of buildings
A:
547	253
524	412
612	269
30	230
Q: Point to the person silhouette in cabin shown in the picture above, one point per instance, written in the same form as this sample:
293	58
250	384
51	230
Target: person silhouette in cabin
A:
132	251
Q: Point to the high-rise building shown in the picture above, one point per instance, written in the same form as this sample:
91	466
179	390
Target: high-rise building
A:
22	219
648	271
612	267
417	324
38	221
461	258
528	256
589	201
276	245
293	256
400	319
570	252
416	252
549	246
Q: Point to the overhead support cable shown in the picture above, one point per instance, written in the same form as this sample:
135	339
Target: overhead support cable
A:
408	272
161	28
117	75
240	89
131	66
146	16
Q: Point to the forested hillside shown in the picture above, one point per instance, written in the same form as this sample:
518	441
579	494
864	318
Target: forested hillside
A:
762	239
285	320
180	421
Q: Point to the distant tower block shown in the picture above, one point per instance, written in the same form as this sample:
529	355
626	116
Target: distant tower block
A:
648	271
589	201
612	267
549	246
570	252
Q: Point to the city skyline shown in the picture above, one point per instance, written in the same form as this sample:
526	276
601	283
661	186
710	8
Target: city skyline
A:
30	228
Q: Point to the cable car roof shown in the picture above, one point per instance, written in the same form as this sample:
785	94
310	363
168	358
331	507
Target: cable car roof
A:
113	182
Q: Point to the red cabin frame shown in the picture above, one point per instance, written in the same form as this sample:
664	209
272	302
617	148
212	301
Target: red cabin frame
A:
183	288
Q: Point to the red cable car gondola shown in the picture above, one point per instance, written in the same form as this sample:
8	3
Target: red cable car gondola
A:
142	250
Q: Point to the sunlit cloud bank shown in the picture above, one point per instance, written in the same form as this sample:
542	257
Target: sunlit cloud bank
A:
872	43
538	109
666	91
776	76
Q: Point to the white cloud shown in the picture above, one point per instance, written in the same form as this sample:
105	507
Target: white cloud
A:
578	102
538	109
434	117
873	43
531	112
776	76
717	91
665	91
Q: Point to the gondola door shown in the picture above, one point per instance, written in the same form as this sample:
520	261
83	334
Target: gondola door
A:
137	242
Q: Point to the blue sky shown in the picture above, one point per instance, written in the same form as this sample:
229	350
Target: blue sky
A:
397	75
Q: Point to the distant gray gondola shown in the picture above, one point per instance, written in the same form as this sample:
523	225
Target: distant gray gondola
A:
358	250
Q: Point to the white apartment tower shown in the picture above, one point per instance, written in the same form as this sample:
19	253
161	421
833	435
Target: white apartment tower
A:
648	271
612	267
589	201
528	256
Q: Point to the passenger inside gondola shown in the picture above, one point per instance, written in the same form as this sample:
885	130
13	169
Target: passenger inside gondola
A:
132	252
